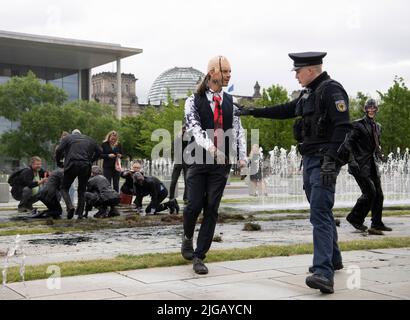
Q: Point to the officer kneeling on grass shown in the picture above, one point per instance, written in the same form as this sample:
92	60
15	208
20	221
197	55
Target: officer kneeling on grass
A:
323	111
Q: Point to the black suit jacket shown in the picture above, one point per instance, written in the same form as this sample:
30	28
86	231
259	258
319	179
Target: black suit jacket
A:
363	144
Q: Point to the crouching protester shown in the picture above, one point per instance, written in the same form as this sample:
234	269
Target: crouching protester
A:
101	195
127	189
26	183
50	196
153	187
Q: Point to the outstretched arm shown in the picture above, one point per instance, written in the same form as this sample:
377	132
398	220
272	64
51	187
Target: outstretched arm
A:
281	111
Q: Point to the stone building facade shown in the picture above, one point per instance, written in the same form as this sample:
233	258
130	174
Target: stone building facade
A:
104	90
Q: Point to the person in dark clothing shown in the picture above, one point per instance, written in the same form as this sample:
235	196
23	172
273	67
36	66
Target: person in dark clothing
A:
323	122
153	187
256	181
25	184
79	152
101	195
364	143
179	166
217	136
111	153
128	186
50	195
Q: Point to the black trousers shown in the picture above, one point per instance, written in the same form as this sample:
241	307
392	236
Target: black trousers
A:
93	200
176	172
113	177
161	206
82	171
205	185
371	199
27	199
53	205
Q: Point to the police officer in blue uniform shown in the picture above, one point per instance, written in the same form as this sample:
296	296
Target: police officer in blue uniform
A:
322	109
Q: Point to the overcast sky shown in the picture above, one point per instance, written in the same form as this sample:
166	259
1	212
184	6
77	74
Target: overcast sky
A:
368	42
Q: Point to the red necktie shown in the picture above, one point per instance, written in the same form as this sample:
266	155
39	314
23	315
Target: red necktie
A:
218	121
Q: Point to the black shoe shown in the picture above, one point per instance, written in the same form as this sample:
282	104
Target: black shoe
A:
177	206
335	268
35	213
382	228
358	226
187	248
199	266
173	206
22	209
101	213
375	232
70	213
320	282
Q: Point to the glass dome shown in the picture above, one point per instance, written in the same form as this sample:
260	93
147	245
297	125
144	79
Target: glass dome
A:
179	81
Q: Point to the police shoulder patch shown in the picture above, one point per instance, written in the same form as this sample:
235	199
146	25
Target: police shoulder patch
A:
341	105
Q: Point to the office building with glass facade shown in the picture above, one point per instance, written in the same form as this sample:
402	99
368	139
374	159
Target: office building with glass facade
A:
66	63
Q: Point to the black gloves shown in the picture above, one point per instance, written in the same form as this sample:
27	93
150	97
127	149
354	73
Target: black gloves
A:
328	171
242	111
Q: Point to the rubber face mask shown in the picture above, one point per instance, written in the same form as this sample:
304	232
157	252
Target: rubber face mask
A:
219	70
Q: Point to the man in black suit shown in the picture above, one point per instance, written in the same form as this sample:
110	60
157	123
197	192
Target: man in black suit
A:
364	142
79	152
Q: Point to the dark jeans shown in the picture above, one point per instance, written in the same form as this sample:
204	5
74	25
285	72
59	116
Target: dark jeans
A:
326	251
27	199
112	175
371	199
176	172
205	185
82	171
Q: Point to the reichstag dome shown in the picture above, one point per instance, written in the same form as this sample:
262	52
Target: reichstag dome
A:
179	81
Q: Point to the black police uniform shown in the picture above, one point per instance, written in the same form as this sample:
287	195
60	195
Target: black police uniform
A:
79	152
364	142
323	111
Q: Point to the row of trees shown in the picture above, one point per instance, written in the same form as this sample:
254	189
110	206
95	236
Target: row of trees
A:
43	112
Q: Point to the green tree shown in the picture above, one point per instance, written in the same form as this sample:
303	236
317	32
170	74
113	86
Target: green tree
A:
271	132
40	128
394	116
20	94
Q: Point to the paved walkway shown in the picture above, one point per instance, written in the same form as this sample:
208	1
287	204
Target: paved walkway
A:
375	275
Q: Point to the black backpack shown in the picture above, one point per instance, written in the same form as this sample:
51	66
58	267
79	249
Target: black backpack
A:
14	178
